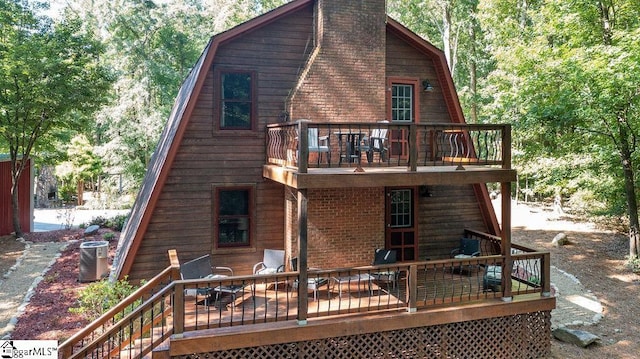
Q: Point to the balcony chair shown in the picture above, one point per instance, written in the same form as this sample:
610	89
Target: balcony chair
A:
318	144
201	268
387	276
313	283
469	248
272	263
375	143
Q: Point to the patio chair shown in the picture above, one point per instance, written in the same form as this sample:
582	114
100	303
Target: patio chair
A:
313	283
375	143
272	263
318	144
201	268
469	248
388	276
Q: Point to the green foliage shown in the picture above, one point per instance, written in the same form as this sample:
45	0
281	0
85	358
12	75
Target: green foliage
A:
566	76
51	81
633	264
82	165
108	236
116	222
99	297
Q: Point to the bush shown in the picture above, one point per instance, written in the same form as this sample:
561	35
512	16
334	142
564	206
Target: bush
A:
99	297
116	222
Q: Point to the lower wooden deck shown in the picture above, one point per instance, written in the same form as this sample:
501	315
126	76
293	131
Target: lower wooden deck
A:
267	303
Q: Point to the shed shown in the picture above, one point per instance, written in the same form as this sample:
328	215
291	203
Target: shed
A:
25	193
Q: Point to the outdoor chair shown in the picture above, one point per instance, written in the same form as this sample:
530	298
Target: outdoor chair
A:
318	144
313	283
272	263
468	248
375	143
315	143
387	276
201	268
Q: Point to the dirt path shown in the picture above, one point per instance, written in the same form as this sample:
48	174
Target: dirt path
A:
18	283
595	259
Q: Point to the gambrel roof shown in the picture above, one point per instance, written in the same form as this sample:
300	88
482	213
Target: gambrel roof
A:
162	160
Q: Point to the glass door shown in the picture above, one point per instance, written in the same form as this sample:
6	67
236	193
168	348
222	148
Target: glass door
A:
401	109
401	229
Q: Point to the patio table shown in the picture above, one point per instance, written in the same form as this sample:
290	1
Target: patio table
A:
351	141
358	279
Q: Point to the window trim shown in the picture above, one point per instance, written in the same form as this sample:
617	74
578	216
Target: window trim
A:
216	216
416	96
217	100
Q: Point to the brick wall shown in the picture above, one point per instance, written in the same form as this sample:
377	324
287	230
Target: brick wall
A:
345	79
344	226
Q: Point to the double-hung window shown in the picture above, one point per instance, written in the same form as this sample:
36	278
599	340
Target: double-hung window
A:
236	100
233	216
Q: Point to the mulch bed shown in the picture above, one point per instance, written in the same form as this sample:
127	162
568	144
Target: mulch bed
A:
47	315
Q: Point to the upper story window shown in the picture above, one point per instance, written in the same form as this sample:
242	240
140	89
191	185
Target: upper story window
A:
402	100
402	103
233	216
236	100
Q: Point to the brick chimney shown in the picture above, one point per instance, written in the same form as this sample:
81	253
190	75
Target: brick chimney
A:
344	78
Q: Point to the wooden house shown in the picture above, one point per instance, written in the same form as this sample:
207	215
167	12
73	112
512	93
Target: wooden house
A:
326	129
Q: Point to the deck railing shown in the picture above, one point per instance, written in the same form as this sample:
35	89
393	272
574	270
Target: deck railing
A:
188	305
305	144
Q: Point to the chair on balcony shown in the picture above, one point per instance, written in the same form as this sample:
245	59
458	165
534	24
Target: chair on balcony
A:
272	263
387	276
468	248
318	144
313	283
201	268
375	143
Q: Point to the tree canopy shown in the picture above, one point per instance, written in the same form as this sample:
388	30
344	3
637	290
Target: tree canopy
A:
51	81
564	74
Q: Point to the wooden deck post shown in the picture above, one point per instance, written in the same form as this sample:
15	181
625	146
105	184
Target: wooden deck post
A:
174	262
505	235
412	292
303	266
178	310
303	146
413	147
545	267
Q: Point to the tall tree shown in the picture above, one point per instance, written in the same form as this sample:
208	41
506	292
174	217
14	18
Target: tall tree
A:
570	82
51	80
451	25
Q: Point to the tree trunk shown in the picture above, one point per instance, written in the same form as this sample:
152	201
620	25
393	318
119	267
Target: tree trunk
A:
15	203
473	74
630	192
446	36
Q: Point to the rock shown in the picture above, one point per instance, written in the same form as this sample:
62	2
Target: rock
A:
91	230
580	338
559	240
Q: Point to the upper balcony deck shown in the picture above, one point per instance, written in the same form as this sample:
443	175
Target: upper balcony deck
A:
315	155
